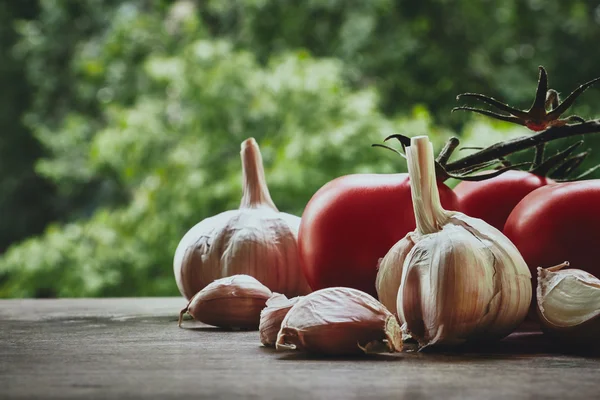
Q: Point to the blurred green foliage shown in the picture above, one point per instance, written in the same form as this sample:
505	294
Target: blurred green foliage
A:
134	111
21	212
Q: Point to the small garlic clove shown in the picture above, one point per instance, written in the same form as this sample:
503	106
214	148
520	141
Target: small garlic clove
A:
569	303
389	272
272	315
339	321
231	302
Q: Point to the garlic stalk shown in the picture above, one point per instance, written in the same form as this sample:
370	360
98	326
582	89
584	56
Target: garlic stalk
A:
455	278
569	303
231	302
339	321
272	315
256	240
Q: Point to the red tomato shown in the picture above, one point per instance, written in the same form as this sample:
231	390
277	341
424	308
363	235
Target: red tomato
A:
493	199
557	223
353	221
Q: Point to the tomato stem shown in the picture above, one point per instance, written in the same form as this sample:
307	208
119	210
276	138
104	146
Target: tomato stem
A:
537	118
569	165
544	116
538	158
447	151
509	147
555	161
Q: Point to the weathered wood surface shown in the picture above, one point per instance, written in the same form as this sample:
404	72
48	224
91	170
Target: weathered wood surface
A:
132	348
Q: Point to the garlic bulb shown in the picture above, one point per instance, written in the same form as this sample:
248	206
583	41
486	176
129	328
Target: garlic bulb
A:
569	303
339	321
256	240
231	302
272	315
457	278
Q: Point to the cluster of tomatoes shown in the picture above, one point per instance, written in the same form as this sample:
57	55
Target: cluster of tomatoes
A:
352	222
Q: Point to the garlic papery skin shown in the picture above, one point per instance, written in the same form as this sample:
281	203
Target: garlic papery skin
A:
255	240
460	278
339	321
569	303
272	316
231	302
389	275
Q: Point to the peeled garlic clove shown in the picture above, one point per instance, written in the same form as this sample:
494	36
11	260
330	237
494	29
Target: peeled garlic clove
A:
456	278
231	302
272	315
569	303
338	321
255	240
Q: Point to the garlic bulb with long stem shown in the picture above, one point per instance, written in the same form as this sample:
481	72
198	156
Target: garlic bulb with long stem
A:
458	278
255	240
568	303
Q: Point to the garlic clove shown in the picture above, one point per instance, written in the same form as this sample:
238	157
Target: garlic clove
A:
272	315
339	321
389	273
255	240
569	303
231	302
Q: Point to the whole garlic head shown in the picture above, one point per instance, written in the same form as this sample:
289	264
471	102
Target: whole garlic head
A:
569	303
255	240
456	278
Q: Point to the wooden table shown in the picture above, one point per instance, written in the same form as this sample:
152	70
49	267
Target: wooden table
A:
132	348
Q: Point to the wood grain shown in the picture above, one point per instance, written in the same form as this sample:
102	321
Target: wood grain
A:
132	348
